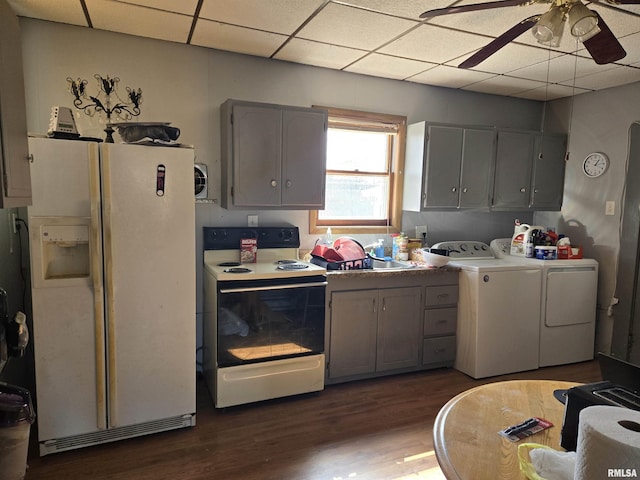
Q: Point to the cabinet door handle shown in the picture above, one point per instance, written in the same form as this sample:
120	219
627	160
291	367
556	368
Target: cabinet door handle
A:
454	189
374	306
30	157
274	184
465	190
523	190
289	184
442	296
535	190
384	305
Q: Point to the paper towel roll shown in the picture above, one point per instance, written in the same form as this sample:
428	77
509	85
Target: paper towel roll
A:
608	443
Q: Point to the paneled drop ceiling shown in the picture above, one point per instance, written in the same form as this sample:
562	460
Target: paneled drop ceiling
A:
382	38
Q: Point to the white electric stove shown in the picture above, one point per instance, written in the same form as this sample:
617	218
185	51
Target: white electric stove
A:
264	321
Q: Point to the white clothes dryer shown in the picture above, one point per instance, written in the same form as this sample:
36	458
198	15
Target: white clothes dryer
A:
498	311
567	306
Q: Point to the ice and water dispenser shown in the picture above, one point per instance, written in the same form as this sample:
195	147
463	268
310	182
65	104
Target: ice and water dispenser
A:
63	248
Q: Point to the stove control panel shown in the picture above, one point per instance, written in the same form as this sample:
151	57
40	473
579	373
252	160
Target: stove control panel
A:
466	249
228	238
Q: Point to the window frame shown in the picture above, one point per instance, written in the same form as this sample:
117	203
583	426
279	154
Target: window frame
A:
370	121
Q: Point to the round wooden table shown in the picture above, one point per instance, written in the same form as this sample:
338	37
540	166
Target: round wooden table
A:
465	434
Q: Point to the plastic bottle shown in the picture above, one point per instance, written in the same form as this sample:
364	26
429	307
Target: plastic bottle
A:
379	250
403	251
394	246
328	240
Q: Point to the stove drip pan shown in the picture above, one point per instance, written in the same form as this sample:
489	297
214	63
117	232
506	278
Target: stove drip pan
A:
292	266
229	264
237	270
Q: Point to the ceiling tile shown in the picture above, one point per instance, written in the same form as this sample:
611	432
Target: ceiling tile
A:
278	16
319	54
512	57
388	66
631	45
503	85
561	69
609	78
352	27
186	7
493	22
63	11
453	77
236	39
137	20
433	44
550	92
411	9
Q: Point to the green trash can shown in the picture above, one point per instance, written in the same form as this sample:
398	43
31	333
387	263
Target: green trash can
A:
16	417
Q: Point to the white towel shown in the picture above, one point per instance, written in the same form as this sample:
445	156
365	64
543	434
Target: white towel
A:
553	465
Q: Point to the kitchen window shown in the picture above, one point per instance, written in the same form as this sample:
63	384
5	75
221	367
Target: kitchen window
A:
365	163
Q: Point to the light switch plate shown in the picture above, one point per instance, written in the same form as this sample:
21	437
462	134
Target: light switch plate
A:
610	208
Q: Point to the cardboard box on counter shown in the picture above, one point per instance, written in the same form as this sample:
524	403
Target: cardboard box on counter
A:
569	252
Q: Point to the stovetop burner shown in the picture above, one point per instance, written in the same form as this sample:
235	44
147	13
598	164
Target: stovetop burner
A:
237	270
292	266
229	264
286	262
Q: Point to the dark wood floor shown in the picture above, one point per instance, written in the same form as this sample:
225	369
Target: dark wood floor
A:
371	429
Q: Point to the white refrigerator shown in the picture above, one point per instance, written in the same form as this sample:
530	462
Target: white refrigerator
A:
112	245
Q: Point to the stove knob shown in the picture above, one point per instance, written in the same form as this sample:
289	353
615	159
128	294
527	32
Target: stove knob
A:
463	247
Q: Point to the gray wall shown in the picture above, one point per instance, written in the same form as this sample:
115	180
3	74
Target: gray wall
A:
600	122
185	85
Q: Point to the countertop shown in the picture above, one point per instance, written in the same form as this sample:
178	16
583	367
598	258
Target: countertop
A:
418	270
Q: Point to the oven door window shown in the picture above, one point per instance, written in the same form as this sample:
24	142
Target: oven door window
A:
257	324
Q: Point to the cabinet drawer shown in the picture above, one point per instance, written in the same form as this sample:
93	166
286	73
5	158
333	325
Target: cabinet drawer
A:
441	296
440	321
438	350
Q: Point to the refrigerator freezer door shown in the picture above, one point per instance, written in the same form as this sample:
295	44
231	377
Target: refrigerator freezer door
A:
67	295
60	177
149	245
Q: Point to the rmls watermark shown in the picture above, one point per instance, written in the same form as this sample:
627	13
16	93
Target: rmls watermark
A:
622	473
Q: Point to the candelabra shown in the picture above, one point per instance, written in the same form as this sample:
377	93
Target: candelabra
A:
106	100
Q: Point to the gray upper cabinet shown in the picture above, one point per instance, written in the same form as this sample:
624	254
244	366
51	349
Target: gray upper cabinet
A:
273	156
448	166
529	171
15	187
548	172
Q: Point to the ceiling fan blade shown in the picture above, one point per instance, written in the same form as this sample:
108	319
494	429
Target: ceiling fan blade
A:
473	7
604	47
491	48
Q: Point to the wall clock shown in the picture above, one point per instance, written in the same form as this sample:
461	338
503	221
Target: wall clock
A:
595	164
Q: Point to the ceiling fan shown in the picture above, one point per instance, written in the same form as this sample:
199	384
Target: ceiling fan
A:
584	24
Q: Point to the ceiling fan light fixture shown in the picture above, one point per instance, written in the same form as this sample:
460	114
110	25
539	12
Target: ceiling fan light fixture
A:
549	26
592	33
582	20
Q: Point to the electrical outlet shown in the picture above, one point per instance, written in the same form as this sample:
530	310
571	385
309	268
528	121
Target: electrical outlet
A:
421	231
252	220
610	207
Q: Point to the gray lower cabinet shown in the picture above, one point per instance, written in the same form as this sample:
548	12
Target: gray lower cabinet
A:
439	326
374	331
386	324
273	156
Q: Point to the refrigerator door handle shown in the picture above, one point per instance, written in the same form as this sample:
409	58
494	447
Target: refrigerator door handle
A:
107	240
95	243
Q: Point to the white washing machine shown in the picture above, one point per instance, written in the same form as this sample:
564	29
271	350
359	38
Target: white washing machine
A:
498	311
567	305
